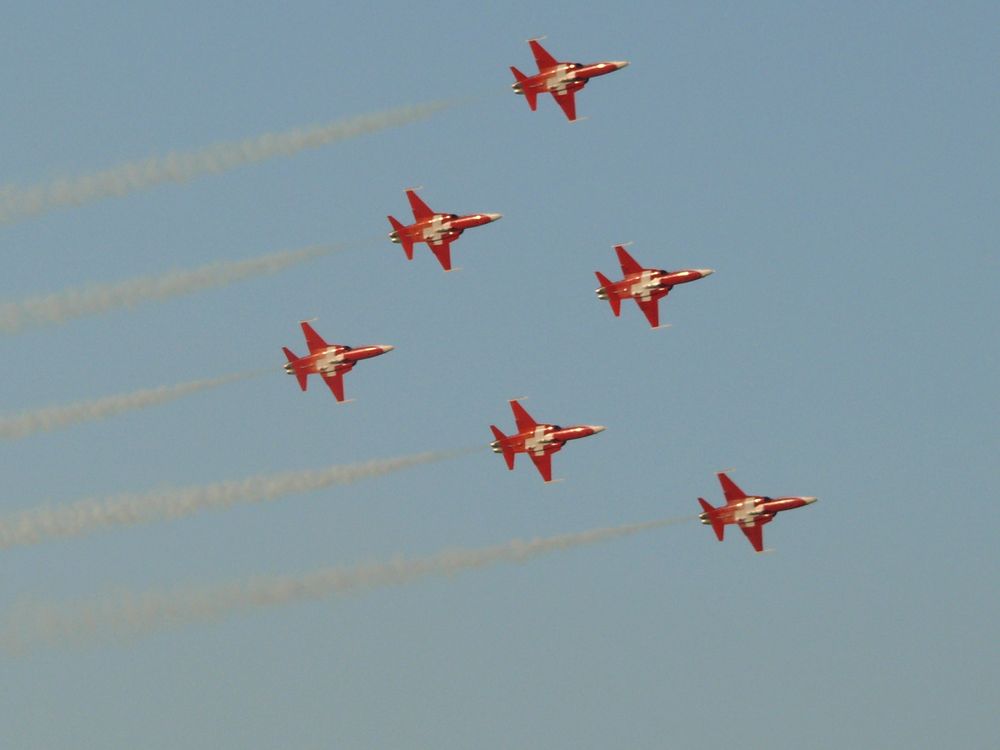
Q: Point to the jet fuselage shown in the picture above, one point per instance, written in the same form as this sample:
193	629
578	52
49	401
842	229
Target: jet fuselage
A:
650	283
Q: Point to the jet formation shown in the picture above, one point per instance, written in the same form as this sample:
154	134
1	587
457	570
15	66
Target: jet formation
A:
646	286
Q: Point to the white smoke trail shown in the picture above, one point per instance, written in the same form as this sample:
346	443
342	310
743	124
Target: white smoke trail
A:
88	516
20	202
50	418
132	614
99	298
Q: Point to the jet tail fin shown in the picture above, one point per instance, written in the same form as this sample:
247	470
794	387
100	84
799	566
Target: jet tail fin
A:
400	231
710	515
501	443
293	360
530	95
613	299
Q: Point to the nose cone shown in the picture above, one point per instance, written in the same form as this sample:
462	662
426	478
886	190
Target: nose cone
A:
595	428
386	348
493	217
706	271
809	500
619	64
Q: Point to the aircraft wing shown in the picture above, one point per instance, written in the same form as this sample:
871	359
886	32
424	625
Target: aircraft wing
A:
755	534
525	421
420	209
567	102
626	261
651	309
542	58
336	383
543	462
442	250
733	493
314	341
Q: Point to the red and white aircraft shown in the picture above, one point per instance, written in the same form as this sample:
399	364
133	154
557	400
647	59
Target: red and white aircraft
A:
647	286
437	230
561	79
330	361
539	441
751	512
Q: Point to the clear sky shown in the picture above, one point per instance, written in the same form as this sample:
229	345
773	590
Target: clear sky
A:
836	163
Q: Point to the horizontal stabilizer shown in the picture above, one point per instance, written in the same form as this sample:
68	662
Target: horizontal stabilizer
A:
293	360
613	299
712	517
501	442
521	87
401	237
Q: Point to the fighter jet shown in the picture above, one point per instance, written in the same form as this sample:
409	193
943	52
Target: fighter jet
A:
561	79
647	286
539	441
749	511
330	361
437	230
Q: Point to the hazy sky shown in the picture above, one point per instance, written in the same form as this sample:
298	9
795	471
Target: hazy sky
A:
835	163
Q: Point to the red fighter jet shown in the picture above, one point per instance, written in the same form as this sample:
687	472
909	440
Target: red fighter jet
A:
539	441
647	286
437	230
561	79
330	361
749	511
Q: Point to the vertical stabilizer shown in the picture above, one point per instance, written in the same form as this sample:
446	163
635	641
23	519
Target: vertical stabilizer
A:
609	295
399	235
522	87
712	517
292	369
500	446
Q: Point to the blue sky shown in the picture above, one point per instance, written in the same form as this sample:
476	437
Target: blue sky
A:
836	165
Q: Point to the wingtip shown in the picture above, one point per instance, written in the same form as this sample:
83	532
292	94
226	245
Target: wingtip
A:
537	38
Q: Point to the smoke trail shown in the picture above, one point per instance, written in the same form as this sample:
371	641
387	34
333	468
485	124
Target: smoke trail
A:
91	515
51	418
77	303
133	614
19	202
